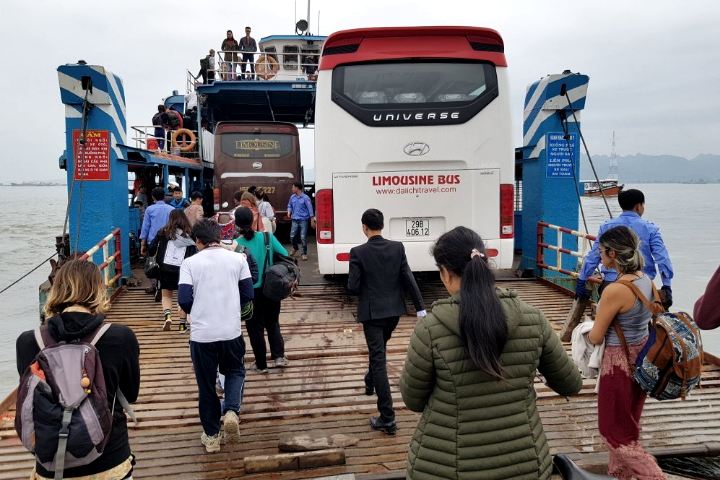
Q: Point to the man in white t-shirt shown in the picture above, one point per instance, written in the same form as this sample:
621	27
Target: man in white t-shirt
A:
216	289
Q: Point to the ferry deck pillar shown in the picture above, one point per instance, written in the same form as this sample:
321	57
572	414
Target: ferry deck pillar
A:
550	164
97	179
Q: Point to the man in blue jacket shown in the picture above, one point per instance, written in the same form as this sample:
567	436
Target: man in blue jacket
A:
300	211
652	247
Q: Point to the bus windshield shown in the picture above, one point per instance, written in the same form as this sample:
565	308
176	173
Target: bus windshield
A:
256	146
418	92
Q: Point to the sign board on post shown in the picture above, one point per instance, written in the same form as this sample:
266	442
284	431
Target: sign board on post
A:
560	154
93	161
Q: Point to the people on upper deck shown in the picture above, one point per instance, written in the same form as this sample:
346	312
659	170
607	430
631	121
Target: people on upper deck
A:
171	246
207	68
74	310
379	274
620	398
471	367
216	289
248	47
653	248
266	312
229	47
707	307
159	120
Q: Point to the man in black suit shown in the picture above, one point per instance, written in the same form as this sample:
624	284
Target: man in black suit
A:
379	274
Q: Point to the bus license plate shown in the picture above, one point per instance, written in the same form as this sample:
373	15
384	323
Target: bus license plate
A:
417	227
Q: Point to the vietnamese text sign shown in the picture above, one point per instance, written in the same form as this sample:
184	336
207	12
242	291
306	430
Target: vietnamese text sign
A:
560	154
93	161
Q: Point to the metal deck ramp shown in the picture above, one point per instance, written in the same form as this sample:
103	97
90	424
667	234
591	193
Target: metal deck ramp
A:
322	389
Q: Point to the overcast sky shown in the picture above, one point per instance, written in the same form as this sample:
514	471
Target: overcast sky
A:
654	66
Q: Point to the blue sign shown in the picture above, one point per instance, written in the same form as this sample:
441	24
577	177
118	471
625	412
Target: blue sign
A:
561	154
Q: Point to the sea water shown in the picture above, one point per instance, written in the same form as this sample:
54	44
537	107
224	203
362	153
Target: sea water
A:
31	218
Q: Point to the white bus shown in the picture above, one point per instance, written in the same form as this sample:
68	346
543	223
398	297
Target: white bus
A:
414	121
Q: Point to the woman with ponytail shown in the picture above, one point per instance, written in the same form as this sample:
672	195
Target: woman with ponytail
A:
470	369
620	398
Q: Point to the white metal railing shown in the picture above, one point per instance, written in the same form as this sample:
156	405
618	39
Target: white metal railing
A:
108	259
145	138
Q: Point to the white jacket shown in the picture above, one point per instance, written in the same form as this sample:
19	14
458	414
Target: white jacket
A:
587	357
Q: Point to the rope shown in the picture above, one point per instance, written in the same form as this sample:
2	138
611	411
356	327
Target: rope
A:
26	274
575	181
587	152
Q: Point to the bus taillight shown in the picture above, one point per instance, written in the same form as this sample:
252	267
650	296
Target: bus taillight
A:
216	198
324	214
507	210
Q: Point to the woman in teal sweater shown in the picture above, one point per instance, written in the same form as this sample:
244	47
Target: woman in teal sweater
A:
266	314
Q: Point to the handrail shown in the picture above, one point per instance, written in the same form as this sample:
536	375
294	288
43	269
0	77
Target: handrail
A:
147	132
298	66
108	259
542	245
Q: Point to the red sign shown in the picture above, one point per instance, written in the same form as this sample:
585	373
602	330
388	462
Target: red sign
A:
92	161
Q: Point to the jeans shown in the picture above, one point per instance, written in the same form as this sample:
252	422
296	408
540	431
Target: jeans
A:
248	58
159	135
266	314
299	227
206	358
377	333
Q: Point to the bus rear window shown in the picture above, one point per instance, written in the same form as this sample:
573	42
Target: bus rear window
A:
253	145
445	92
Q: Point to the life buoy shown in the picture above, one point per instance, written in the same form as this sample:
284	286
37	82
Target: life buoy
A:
185	144
266	67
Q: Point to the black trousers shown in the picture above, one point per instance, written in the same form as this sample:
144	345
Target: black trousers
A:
377	333
248	58
207	358
266	316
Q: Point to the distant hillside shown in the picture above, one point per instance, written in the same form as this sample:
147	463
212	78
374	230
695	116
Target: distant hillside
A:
641	168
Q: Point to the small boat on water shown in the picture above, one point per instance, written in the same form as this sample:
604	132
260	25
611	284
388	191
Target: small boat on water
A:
609	187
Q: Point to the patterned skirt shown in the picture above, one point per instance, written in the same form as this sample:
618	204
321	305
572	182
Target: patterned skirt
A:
620	405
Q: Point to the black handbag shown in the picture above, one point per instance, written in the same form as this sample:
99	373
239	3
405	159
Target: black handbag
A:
152	268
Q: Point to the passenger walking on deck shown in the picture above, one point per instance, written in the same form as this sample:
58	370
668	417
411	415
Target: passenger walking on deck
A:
470	369
249	200
74	311
171	246
194	212
156	216
707	307
178	201
158	121
216	289
229	47
267	213
652	247
300	211
266	312
380	275
207	68
248	47
620	398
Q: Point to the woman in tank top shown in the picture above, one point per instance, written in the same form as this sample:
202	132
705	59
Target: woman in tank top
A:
620	399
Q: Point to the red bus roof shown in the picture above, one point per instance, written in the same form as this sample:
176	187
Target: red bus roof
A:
395	43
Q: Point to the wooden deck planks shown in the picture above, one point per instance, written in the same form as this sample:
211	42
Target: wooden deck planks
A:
322	389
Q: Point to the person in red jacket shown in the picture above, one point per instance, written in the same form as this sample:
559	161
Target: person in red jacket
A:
707	307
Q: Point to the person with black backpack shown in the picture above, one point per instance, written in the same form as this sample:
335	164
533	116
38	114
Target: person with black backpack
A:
59	380
266	317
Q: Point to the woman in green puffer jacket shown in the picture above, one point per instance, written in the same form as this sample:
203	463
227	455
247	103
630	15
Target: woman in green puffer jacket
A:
470	370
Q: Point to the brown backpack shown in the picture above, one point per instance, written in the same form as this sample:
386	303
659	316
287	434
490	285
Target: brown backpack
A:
670	363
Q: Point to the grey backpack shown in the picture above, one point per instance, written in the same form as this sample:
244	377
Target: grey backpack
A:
63	416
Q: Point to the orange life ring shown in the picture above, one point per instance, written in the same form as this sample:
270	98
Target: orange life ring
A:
266	67
185	145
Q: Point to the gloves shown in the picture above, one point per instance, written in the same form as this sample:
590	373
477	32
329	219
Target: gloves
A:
666	296
421	313
580	290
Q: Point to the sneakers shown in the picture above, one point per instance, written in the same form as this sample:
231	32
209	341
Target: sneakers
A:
293	251
304	257
183	326
388	428
255	369
168	321
231	423
281	362
211	444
